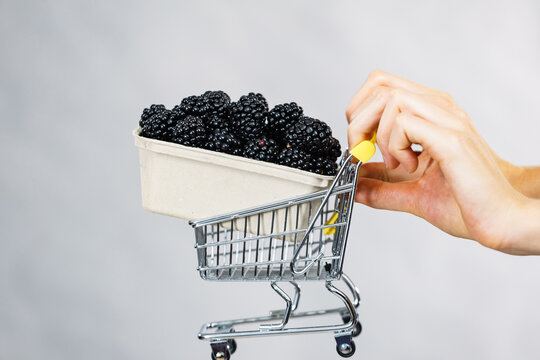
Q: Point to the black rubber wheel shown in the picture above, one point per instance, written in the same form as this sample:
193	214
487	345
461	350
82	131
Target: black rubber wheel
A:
357	329
232	346
226	356
346	350
346	319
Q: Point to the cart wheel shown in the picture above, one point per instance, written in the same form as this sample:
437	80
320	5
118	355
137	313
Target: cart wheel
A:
232	345
345	318
357	329
222	355
346	349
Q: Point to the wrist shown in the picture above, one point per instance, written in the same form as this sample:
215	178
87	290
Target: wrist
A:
524	231
513	173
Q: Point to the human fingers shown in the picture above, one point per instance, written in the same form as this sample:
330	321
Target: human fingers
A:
391	110
366	118
380	78
411	129
400	101
389	196
399	144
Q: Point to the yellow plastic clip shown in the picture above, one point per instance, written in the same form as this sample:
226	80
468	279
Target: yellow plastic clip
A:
365	150
332	220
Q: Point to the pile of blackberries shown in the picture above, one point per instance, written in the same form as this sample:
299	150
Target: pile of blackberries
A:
282	135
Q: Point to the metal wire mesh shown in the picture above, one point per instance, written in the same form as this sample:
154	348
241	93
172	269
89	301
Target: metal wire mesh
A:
233	247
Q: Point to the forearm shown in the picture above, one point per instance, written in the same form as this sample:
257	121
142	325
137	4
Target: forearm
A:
526	229
526	180
529	182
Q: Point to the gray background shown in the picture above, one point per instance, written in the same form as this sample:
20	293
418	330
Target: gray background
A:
85	273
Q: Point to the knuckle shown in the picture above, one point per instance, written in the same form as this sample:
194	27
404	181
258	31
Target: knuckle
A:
455	141
401	119
463	114
376	75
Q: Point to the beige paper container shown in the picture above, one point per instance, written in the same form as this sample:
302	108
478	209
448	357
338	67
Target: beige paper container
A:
193	184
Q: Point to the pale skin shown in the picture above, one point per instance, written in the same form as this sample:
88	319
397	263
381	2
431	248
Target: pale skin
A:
457	182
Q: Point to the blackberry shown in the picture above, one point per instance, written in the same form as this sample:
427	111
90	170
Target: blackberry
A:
159	126
324	166
260	98
310	135
218	103
264	149
248	117
281	117
335	149
294	158
222	141
191	105
148	112
214	122
189	131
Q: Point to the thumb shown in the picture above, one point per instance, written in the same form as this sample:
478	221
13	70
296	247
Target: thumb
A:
384	195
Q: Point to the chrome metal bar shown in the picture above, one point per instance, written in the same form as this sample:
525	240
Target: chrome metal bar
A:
219	267
286	314
354	290
206	335
284	233
269	207
317	214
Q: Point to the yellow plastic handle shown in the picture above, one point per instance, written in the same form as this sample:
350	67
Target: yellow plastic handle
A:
331	221
365	150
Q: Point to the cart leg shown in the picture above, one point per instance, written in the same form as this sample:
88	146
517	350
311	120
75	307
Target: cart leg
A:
287	312
356	302
354	290
296	300
345	345
296	295
353	318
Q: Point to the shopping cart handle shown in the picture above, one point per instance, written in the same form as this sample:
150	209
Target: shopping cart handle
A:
365	150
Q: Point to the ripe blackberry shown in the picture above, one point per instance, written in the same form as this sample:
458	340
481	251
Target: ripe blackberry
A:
281	117
294	158
189	131
264	149
260	98
324	166
214	122
248	117
335	149
148	112
223	141
310	135
218	103
159	126
191	105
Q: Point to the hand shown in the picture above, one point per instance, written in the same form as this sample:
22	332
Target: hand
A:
457	182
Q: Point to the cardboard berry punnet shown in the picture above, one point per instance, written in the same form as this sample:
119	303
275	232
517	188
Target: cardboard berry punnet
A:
192	183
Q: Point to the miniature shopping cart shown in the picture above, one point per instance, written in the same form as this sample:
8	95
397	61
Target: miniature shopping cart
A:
299	239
